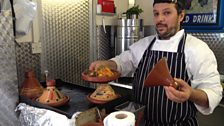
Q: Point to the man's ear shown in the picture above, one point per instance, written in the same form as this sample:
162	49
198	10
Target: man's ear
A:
181	16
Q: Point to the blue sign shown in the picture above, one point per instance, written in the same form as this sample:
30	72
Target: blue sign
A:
198	18
204	16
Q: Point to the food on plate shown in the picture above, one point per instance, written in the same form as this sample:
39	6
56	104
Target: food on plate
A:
104	93
102	71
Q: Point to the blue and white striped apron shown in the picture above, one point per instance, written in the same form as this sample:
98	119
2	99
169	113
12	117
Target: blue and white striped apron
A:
160	111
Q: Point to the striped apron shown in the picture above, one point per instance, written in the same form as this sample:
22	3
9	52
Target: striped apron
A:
160	111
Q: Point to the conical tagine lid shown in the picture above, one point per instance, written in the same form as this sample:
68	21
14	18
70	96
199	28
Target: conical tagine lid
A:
30	87
160	76
52	96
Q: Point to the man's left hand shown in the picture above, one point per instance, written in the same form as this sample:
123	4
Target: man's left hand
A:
182	94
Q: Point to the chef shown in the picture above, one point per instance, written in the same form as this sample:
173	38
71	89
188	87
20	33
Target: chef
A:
191	62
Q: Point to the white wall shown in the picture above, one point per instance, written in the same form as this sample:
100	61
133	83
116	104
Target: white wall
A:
121	6
146	5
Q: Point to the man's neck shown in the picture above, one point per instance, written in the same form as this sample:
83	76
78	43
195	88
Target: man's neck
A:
170	37
163	38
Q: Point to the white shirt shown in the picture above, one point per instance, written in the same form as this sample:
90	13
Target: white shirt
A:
200	61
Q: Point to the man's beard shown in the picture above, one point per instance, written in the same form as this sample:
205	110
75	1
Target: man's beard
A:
169	33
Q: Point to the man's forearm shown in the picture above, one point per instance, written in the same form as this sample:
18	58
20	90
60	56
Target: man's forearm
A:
199	97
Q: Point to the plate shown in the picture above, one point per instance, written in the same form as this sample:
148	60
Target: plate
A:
86	77
99	101
57	104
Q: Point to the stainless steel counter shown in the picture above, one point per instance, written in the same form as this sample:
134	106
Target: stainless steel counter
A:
123	82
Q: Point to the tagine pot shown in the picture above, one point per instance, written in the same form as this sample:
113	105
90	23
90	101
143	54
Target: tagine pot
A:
30	88
160	75
52	96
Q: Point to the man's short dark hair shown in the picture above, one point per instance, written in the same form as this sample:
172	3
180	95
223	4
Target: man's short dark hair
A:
179	4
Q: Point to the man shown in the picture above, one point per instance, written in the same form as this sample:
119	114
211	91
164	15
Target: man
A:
191	63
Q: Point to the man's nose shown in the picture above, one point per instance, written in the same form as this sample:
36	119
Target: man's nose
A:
161	18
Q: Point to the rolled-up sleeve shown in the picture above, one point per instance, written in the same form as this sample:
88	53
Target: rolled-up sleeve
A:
202	67
128	61
124	63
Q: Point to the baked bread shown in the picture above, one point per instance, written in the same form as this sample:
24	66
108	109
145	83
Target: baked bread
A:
104	93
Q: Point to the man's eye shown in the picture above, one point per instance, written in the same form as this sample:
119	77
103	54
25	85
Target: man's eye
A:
166	13
155	14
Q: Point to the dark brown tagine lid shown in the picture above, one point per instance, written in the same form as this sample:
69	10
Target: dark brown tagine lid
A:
52	96
30	87
160	75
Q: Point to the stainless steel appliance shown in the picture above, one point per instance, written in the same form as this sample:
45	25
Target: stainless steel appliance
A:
128	32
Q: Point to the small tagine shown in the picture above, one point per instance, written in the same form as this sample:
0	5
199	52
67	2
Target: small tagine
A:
30	87
102	94
52	96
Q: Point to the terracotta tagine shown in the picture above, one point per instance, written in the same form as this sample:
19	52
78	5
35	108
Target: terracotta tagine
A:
30	87
52	96
160	75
